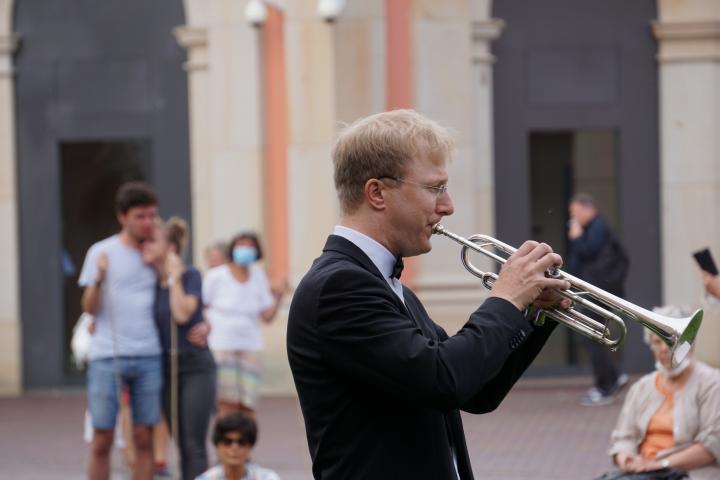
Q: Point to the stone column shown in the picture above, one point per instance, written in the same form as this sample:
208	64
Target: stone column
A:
484	32
10	326
311	66
456	90
335	74
194	39
688	35
225	120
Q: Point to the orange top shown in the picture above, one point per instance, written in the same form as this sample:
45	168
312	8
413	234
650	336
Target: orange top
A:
659	434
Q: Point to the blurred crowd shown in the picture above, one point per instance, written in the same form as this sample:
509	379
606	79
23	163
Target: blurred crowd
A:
170	351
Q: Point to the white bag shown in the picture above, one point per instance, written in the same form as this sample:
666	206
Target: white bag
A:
80	343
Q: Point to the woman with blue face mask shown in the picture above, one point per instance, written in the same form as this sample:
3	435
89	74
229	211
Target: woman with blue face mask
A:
238	299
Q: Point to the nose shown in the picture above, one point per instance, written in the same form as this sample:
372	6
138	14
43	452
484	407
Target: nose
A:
445	205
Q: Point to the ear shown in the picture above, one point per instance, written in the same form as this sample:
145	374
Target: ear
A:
374	193
121	218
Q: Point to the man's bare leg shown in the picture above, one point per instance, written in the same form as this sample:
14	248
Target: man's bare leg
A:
142	437
99	464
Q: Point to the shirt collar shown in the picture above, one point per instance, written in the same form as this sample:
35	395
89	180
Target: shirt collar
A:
378	254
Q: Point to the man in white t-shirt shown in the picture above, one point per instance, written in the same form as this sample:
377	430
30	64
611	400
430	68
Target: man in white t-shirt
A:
119	292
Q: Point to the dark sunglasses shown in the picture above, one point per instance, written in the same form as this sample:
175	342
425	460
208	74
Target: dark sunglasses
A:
242	442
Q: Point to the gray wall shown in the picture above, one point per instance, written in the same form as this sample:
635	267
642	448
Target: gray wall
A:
88	70
583	64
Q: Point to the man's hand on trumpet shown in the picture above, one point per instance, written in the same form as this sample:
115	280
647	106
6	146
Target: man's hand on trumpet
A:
550	298
522	280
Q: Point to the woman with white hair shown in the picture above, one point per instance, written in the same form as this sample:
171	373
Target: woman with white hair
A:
671	417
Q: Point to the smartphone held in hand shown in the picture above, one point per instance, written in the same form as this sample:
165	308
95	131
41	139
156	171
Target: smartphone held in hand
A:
705	261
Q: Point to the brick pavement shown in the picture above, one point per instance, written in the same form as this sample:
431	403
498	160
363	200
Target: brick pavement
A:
538	433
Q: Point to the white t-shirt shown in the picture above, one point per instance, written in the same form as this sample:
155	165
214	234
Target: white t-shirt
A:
252	472
233	308
128	293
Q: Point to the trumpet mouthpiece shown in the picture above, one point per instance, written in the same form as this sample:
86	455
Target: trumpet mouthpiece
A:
438	229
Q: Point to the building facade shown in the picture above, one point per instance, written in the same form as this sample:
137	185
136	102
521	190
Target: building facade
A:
233	122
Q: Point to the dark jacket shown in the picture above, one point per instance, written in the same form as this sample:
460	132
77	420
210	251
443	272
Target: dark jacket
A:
585	249
380	384
597	257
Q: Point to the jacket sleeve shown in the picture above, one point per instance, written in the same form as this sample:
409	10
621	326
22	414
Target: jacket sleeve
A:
367	337
489	397
626	435
708	412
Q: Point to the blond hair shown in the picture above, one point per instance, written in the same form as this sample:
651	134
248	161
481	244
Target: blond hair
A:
176	231
382	145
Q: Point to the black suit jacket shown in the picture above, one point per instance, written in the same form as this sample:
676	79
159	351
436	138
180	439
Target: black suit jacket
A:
380	384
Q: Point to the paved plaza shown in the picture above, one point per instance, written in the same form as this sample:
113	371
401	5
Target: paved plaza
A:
540	432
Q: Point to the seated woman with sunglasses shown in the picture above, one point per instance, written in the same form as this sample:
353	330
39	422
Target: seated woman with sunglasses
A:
234	438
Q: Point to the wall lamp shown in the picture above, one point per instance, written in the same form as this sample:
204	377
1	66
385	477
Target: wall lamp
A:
256	12
329	10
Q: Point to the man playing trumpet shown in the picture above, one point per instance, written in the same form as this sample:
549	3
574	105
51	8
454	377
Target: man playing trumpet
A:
380	384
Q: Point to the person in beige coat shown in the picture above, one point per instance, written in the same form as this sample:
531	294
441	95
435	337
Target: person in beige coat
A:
670	418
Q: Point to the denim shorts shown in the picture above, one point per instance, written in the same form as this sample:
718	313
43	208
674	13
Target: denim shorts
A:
142	376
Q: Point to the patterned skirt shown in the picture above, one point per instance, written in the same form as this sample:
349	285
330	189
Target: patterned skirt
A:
238	377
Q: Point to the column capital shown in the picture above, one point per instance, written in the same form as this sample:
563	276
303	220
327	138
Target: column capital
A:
484	32
8	46
687	41
195	41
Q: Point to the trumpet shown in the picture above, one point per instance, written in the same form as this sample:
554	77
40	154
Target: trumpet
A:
677	333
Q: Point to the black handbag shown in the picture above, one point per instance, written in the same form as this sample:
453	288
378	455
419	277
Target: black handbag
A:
662	474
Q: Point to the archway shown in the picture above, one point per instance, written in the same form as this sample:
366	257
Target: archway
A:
101	98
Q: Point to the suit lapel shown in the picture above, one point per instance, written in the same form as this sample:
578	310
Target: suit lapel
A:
338	244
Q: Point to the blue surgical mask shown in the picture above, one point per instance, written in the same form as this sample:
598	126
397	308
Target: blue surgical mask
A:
243	255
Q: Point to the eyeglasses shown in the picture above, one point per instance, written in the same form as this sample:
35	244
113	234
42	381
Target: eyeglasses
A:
242	442
438	190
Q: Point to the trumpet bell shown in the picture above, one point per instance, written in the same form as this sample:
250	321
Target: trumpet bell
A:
686	338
